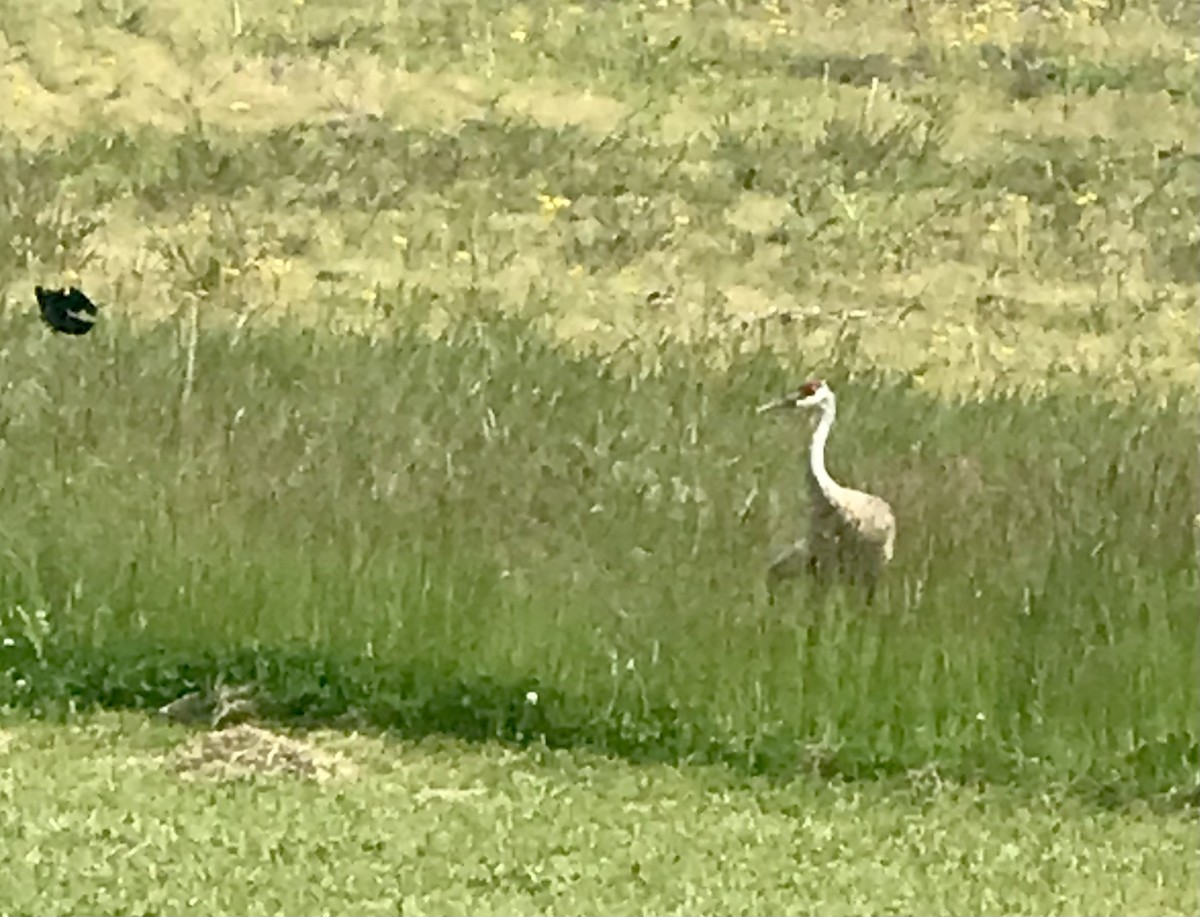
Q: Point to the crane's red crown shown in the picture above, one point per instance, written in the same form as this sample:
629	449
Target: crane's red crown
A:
811	387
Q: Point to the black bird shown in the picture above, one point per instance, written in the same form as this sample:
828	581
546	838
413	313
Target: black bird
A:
68	311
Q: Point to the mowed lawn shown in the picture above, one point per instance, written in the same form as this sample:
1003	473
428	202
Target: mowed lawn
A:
108	816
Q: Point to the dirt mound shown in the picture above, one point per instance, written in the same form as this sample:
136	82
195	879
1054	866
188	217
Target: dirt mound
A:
245	751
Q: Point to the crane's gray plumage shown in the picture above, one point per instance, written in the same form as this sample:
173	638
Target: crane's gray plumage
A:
851	534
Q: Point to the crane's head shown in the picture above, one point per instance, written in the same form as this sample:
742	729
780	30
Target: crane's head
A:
812	393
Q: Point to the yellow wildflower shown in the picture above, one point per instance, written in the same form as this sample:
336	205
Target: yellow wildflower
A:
550	205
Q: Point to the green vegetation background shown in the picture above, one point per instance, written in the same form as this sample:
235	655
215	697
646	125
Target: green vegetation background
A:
433	334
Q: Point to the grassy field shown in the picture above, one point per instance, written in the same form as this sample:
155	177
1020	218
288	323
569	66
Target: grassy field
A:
423	404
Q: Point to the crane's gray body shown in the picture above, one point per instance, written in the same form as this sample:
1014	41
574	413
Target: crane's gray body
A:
851	534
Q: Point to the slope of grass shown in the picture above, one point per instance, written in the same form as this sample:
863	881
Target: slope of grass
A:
1009	189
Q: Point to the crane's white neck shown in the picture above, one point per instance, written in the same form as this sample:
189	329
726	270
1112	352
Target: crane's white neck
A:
816	452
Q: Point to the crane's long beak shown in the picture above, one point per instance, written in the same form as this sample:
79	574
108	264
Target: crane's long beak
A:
775	405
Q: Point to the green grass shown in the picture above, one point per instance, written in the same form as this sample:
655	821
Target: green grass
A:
422	530
432	339
95	821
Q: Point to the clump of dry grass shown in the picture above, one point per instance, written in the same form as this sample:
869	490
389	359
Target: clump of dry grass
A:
246	751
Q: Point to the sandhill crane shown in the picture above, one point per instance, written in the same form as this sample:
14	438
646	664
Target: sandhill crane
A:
851	534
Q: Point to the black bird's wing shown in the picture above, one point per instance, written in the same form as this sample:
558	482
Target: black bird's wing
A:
68	311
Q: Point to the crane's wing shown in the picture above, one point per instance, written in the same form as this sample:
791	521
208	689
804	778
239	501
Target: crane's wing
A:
871	518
